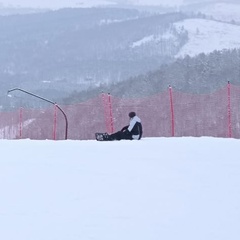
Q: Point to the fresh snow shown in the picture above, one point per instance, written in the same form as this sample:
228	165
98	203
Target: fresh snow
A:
143	41
156	188
205	36
153	39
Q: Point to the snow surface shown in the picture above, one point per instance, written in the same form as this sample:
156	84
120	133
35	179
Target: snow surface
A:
143	41
156	188
205	36
153	39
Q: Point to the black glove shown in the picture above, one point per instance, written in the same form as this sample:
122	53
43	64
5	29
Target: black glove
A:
124	129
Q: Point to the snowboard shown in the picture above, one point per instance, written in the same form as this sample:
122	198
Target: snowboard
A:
101	136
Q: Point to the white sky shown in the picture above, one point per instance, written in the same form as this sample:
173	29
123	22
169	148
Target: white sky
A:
74	3
38	3
155	188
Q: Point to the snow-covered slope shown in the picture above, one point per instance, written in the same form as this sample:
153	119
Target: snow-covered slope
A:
206	36
156	188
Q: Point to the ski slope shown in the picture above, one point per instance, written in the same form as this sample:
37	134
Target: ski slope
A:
156	188
205	36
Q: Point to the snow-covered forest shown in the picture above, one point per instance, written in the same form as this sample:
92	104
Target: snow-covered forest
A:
71	54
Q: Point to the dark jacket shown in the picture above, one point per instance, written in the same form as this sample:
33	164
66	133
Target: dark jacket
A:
134	128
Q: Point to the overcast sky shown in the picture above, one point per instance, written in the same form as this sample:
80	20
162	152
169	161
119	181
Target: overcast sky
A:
74	3
38	3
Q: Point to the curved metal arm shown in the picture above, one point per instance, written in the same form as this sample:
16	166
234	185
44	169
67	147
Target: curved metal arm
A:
66	121
46	100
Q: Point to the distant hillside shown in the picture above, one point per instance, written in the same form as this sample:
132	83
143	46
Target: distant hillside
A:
56	53
205	36
223	10
201	74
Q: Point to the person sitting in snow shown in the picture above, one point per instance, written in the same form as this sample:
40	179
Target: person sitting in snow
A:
131	132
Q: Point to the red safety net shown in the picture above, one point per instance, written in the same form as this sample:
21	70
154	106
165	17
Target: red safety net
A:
167	114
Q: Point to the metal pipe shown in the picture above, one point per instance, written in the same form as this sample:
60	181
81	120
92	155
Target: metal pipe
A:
46	100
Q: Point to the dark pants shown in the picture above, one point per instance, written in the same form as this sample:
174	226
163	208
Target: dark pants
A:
120	135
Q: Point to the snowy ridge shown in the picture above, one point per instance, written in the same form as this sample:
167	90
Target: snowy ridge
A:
205	36
156	188
143	41
153	39
223	11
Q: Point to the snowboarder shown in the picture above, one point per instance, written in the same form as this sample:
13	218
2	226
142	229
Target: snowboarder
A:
131	132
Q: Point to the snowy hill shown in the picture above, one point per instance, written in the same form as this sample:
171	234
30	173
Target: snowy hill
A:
156	188
205	36
84	47
222	11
